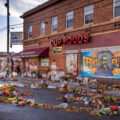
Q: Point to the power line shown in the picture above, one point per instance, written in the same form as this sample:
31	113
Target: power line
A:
16	27
16	24
3	28
2	31
11	26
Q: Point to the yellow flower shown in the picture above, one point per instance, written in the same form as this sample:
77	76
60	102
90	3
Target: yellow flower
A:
20	98
11	99
68	87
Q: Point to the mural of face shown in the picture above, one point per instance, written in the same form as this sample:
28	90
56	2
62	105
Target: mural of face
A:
101	63
105	67
104	63
106	60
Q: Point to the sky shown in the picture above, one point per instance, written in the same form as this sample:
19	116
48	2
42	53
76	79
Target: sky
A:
17	8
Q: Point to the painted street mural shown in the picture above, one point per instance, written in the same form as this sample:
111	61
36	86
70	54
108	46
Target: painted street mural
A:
104	64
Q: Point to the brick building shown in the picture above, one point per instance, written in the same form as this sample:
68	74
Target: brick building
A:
74	36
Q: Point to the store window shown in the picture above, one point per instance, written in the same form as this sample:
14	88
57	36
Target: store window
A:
30	31
33	64
88	14
69	19
54	24
42	28
116	8
45	62
71	64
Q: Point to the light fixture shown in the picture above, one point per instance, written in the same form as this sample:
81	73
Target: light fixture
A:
88	30
45	22
115	24
64	34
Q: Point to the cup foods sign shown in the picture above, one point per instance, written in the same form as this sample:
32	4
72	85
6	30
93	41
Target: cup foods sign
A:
76	39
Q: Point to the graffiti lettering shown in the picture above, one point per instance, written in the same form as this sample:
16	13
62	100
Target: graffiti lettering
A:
90	62
116	61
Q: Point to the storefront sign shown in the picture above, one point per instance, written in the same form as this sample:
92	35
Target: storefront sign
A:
71	63
104	64
33	64
45	62
57	49
76	39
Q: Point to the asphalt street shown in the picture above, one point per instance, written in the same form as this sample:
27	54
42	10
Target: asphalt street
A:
13	112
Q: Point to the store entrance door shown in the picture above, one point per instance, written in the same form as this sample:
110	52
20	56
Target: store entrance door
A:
71	64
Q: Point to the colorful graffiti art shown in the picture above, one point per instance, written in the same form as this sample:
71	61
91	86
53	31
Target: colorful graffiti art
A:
104	64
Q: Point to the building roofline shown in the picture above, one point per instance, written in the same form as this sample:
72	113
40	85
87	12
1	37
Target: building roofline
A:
39	7
4	54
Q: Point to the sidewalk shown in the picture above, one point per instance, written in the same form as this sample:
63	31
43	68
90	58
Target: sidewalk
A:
28	80
38	81
114	93
52	83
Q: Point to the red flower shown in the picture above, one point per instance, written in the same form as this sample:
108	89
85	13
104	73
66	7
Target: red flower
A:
114	108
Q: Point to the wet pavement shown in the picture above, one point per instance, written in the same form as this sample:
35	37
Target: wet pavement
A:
48	96
44	95
13	112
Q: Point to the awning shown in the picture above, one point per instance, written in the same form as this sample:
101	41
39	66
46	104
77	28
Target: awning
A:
35	52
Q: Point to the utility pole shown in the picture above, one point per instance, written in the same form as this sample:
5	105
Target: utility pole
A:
8	28
7	5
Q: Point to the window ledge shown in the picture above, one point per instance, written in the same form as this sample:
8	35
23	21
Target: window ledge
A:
42	35
116	19
29	38
88	25
53	33
68	29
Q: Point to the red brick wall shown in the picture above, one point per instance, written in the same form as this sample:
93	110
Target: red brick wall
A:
42	67
60	9
104	40
103	11
103	22
58	57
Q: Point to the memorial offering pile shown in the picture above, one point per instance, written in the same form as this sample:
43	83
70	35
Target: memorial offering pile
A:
99	102
66	88
10	95
111	110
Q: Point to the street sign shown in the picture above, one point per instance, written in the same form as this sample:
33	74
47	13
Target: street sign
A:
16	38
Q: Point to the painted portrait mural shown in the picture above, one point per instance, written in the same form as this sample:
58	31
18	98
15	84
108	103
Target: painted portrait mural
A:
104	64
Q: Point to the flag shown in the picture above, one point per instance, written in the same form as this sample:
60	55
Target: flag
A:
11	60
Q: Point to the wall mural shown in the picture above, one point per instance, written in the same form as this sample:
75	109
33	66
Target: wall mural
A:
104	64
